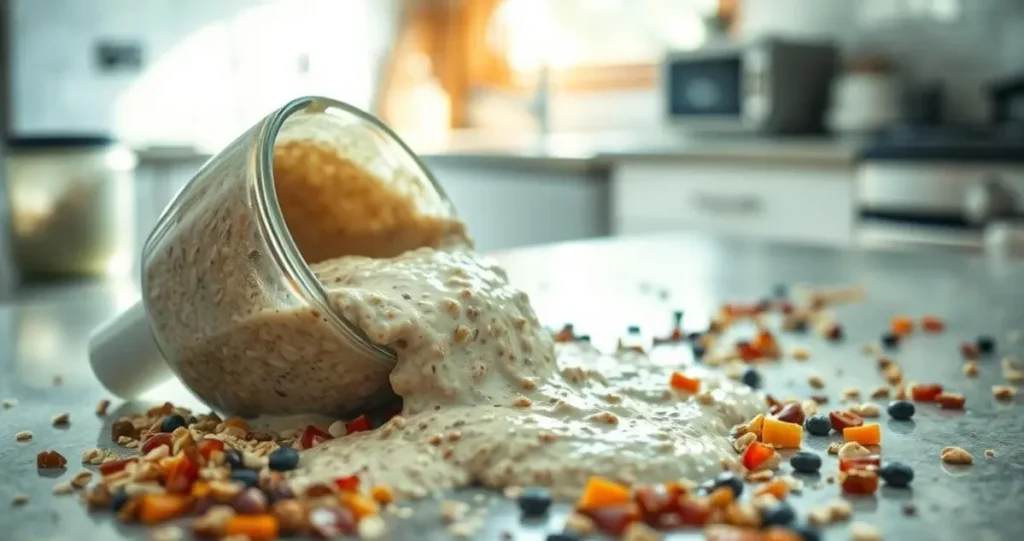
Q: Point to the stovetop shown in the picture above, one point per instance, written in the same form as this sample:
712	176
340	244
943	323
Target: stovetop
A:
997	143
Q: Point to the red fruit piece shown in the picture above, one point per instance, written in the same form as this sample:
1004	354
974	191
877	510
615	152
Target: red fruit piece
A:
694	512
756	455
347	484
208	446
867	462
109	468
156	440
747	352
313	436
791	413
925	392
861	482
844	419
359	424
654	502
613	520
181	473
969	351
765	344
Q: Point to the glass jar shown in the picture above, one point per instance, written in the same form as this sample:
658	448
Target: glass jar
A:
71	207
226	285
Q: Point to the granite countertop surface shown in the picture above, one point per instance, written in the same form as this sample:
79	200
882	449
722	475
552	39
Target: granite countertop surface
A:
603	286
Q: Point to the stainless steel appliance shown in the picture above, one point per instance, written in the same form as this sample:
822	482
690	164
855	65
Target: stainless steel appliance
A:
943	188
768	85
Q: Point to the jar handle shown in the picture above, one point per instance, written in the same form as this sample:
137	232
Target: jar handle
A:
124	354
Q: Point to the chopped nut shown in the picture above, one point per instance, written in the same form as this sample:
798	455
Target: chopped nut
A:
867	410
971	369
580	524
801	354
956	455
909	509
833	448
123	428
760	476
62	419
124	441
899	391
870	348
167	533
24	435
809	407
337	429
744	441
990	453
1003	392
880	392
63	488
98	496
851	393
453	510
225	491
893	374
213	522
8	403
157	453
853	449
81	479
19	499
820	398
372	527
522	402
101	407
93	456
862	531
50	459
706	398
638	531
816	382
954	401
883	362
840	509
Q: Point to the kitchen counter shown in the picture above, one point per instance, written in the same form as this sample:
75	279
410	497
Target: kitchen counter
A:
603	286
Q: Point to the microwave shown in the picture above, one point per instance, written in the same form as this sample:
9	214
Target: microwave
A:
768	85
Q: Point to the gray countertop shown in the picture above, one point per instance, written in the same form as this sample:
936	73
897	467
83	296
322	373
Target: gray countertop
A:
602	287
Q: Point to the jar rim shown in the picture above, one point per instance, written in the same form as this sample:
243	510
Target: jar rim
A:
276	229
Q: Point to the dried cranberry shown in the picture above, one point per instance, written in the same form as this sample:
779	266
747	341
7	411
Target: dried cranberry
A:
790	413
844	419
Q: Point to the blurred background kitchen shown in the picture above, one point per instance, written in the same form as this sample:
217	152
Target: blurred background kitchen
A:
894	124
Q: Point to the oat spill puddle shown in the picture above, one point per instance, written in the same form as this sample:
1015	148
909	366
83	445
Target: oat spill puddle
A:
490	399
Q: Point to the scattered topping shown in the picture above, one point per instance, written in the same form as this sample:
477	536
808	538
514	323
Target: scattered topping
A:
956	455
61	489
880	392
782	434
752	378
925	392
851	393
862	531
816	382
62	419
818	425
897	474
757	455
866	410
535	501
932	324
890	340
986	344
254	527
852	450
24	435
901	326
1003	392
859	481
833	448
801	354
971	369
805	462
969	351
600	492
779	514
990	453
792	412
682	382
841	420
869	434
861	462
743	442
81	479
101	407
951	401
19	499
50	459
901	410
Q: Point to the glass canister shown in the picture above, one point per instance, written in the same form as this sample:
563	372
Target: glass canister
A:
227	289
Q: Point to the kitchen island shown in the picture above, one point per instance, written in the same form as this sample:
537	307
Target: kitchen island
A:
602	287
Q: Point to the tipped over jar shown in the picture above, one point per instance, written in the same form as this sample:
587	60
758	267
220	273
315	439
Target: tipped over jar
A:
227	288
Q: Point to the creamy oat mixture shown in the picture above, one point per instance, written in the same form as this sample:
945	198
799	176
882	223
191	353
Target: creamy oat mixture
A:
487	397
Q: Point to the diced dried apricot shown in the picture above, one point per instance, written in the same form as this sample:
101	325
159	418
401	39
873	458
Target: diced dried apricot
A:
756	454
932	324
859	482
682	382
382	494
255	527
721	497
747	351
951	401
600	492
781	434
866	462
791	413
925	392
776	487
157	508
869	434
778	533
841	420
901	326
208	446
360	505
179	473
201	489
765	344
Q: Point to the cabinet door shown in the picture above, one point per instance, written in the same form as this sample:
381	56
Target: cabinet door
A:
805	203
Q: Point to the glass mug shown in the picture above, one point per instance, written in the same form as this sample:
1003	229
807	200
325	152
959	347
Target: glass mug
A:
229	301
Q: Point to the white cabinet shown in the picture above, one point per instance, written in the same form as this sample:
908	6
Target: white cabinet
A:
509	203
801	202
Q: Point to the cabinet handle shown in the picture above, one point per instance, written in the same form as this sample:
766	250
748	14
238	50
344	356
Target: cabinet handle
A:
728	204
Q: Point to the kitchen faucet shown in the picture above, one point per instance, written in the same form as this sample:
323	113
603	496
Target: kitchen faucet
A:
540	104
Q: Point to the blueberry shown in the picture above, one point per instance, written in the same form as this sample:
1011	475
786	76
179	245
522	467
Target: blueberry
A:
807	533
752	378
633	329
778	514
896	474
584	338
283	459
698	351
535	501
562	536
800	326
677	318
890	340
986	344
901	410
249	478
172	422
118	500
781	291
805	462
729	479
233	459
818	425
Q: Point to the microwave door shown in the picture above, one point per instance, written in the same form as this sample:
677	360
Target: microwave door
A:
705	91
